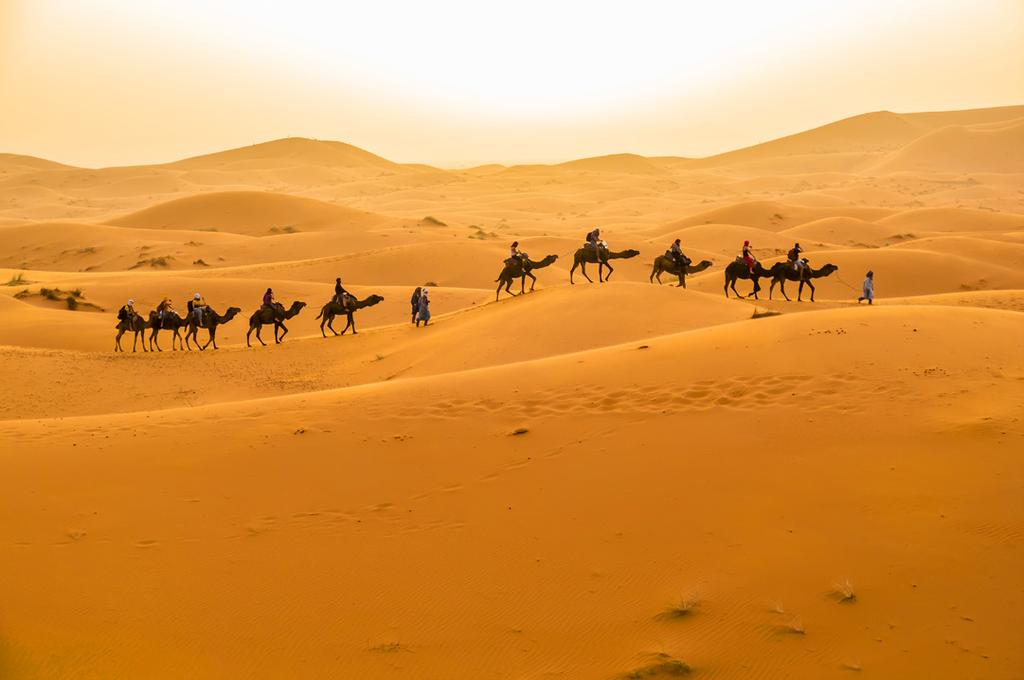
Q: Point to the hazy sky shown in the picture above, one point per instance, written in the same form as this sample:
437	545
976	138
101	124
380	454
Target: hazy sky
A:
453	82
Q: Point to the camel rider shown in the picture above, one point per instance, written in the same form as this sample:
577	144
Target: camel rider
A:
794	257
676	252
196	306
127	312
748	257
515	255
163	308
268	299
594	241
339	291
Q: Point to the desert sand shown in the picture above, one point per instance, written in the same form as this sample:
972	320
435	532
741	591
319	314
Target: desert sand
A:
618	480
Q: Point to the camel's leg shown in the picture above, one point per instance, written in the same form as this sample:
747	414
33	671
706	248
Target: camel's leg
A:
682	280
809	285
497	291
583	270
117	342
330	324
283	328
654	270
350	320
213	338
757	288
782	288
259	334
135	341
610	271
571	270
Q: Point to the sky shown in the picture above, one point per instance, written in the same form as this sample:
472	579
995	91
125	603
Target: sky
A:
458	82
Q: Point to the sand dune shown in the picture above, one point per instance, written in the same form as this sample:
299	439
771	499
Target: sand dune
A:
586	481
960	149
294	150
247	213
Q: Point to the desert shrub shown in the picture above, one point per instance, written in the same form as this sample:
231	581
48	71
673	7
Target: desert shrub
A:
71	302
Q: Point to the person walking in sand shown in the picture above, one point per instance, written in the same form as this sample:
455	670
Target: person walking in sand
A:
423	314
869	289
415	302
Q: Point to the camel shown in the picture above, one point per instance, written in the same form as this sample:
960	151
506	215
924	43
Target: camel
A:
277	316
585	255
666	264
211	320
515	270
335	308
137	325
783	271
737	269
171	322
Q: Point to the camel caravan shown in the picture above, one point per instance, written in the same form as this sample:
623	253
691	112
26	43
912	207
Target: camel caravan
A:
518	265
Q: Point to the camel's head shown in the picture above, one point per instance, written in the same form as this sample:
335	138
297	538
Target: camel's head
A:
232	311
626	254
549	259
704	264
373	300
828	269
298	304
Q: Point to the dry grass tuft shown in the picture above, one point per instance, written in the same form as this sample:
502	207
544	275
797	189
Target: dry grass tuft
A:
684	607
845	592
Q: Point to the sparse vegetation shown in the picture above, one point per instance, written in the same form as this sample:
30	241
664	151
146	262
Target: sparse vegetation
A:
433	221
664	667
389	648
758	314
162	261
481	234
682	608
200	262
794	626
845	592
284	230
431	284
50	293
77	292
17	280
71	302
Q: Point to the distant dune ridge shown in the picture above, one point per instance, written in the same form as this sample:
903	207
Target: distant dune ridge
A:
618	480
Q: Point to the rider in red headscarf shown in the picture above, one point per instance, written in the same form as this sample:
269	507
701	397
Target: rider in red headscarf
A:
747	257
